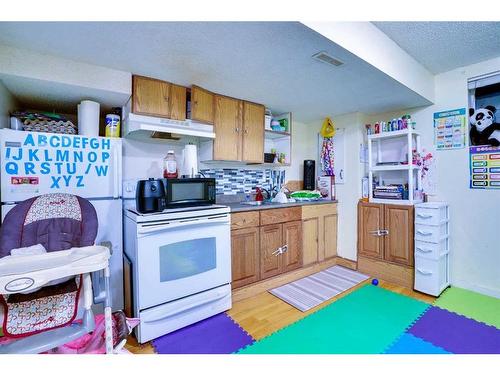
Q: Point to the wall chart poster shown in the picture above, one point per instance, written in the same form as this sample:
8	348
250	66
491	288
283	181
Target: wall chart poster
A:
485	167
450	129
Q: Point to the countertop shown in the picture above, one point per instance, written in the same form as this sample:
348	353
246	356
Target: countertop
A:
238	207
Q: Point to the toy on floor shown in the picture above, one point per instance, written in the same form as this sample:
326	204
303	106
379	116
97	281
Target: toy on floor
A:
375	282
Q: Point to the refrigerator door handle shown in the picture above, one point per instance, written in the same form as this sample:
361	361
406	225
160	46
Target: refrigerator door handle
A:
117	171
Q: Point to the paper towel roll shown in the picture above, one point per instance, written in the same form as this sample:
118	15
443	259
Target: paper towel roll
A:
190	161
88	118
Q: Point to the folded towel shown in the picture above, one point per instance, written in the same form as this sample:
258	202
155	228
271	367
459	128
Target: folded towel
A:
30	250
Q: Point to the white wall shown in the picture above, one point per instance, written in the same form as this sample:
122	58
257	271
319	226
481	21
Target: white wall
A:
7	104
474	243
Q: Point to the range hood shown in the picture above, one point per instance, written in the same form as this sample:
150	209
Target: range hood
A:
163	128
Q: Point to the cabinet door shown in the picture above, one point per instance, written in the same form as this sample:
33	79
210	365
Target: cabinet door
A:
202	105
292	240
270	242
330	233
310	240
227	125
370	220
398	244
177	102
150	96
253	132
245	260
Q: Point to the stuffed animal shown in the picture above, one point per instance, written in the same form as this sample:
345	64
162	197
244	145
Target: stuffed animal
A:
483	128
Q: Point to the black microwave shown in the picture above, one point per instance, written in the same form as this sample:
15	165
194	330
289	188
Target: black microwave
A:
184	192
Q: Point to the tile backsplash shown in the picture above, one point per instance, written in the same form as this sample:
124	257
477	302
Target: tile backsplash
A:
235	181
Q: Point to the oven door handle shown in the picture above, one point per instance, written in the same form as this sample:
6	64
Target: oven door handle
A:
152	228
162	316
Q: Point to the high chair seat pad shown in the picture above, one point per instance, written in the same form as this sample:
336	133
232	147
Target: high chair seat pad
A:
48	308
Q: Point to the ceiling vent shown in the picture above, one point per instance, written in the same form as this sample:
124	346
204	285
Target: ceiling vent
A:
327	59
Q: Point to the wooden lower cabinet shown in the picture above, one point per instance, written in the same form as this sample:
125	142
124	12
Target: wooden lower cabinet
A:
370	222
257	237
245	246
292	239
319	232
270	242
385	241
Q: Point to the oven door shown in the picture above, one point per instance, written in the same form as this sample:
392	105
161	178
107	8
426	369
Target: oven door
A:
183	257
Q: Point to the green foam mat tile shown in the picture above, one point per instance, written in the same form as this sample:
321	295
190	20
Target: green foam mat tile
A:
365	321
470	304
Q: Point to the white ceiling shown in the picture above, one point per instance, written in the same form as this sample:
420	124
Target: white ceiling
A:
443	46
268	63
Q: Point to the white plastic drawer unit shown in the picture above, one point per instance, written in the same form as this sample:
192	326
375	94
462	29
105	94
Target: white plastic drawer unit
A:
431	250
431	233
431	213
431	276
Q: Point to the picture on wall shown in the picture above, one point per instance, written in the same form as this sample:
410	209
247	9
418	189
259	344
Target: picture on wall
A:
484	132
450	129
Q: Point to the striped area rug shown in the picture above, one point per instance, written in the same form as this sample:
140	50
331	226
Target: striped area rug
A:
310	291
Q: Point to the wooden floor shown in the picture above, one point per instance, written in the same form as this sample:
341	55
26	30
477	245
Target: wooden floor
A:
264	313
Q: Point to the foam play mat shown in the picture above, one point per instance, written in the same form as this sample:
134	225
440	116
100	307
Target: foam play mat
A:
365	321
473	305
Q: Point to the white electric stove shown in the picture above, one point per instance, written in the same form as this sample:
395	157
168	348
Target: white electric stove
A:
181	266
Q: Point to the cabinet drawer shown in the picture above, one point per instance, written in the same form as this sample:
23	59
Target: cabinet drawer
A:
431	250
431	216
244	219
431	233
280	215
431	276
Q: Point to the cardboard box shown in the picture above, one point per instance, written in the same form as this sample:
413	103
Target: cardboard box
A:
326	186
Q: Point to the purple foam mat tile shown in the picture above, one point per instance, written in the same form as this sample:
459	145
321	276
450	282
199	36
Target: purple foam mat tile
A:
218	334
456	333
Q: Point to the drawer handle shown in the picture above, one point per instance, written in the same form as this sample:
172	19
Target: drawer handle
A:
426	273
424	233
424	216
422	250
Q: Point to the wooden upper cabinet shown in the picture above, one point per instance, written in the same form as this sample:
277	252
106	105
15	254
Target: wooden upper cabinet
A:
150	96
292	239
370	220
227	126
177	102
253	132
270	241
398	243
202	105
153	97
245	267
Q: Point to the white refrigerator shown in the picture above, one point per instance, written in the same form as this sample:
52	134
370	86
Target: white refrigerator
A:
39	163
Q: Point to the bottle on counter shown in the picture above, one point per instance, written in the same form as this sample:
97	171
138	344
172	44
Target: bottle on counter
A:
170	165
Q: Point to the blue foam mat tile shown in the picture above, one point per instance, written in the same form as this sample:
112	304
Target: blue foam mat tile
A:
409	344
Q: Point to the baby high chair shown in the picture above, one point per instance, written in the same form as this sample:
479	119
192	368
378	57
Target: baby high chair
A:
47	255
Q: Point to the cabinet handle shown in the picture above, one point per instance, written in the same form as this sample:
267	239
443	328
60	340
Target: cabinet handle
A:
423	216
245	131
237	130
424	233
426	273
422	250
384	232
277	252
284	249
379	232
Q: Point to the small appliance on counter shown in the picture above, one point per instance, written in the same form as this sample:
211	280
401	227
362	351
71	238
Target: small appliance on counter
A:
157	195
309	175
150	196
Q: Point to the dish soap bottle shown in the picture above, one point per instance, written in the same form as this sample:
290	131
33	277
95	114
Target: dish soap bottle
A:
170	165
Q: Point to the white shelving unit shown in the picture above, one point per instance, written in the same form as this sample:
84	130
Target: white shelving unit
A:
388	142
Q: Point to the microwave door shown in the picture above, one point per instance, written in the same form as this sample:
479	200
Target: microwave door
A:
181	258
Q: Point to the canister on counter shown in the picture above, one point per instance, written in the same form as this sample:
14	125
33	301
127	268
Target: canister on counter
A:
112	125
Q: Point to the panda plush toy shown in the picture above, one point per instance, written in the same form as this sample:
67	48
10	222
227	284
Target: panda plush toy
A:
483	128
